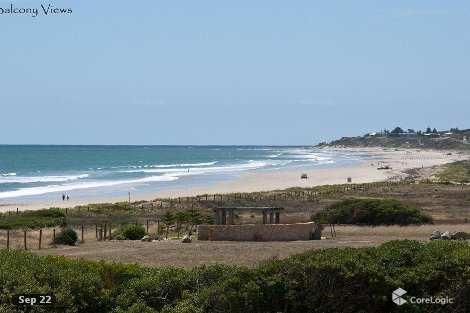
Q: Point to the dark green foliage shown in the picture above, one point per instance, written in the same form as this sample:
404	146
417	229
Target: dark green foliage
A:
129	231
326	280
371	212
67	236
140	307
397	131
34	219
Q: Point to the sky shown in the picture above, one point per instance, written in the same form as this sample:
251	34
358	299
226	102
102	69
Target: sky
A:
262	72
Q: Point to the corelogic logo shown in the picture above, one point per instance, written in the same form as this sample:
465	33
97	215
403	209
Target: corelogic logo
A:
397	296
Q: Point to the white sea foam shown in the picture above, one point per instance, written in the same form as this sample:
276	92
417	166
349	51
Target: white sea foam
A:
9	174
168	165
202	170
68	187
255	149
184	165
308	155
39	179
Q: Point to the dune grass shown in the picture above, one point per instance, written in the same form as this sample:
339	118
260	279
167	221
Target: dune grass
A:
458	172
34	219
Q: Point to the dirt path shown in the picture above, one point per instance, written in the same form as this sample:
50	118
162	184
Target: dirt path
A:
175	253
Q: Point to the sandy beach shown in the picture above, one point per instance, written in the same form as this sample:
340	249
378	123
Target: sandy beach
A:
365	171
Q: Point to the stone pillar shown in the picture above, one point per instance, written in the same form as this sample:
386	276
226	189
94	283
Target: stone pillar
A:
224	217
216	217
271	217
277	217
265	218
230	216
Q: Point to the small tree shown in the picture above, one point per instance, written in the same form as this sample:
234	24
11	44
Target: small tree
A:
428	130
411	131
434	131
168	219
397	131
180	218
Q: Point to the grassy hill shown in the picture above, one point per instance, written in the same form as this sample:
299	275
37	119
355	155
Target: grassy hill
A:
443	140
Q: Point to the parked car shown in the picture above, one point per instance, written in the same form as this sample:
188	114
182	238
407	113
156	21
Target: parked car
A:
303	176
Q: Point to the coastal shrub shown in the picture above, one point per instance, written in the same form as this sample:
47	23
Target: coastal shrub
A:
129	231
67	236
34	219
458	172
326	280
371	212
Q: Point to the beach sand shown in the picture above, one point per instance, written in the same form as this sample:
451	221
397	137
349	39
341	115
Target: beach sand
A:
366	171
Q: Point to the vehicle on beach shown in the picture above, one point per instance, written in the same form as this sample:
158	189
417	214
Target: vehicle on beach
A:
384	167
303	176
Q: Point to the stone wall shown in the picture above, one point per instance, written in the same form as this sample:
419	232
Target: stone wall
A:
255	232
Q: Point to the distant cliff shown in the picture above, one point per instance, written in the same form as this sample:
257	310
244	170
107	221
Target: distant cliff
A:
453	139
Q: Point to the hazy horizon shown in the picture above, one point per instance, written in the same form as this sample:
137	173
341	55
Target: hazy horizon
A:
216	144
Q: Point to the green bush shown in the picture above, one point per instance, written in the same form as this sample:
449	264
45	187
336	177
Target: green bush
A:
34	219
371	212
129	231
67	236
326	280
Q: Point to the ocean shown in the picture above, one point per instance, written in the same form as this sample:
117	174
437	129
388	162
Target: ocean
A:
40	172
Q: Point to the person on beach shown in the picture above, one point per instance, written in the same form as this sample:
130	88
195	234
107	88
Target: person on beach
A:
63	197
68	198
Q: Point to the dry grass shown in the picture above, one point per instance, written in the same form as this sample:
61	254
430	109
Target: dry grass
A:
174	253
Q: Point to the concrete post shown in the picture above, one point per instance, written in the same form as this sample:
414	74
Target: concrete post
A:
271	217
216	217
277	217
230	216
265	218
224	217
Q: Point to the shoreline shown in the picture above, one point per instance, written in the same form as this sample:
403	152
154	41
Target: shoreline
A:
363	172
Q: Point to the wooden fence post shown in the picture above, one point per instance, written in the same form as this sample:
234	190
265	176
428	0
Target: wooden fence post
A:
25	246
147	226
17	212
96	231
40	238
105	233
53	234
82	235
110	228
8	239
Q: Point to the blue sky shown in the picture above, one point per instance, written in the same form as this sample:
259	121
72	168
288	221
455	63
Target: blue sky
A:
232	72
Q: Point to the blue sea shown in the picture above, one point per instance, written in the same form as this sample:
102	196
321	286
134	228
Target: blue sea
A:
36	172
